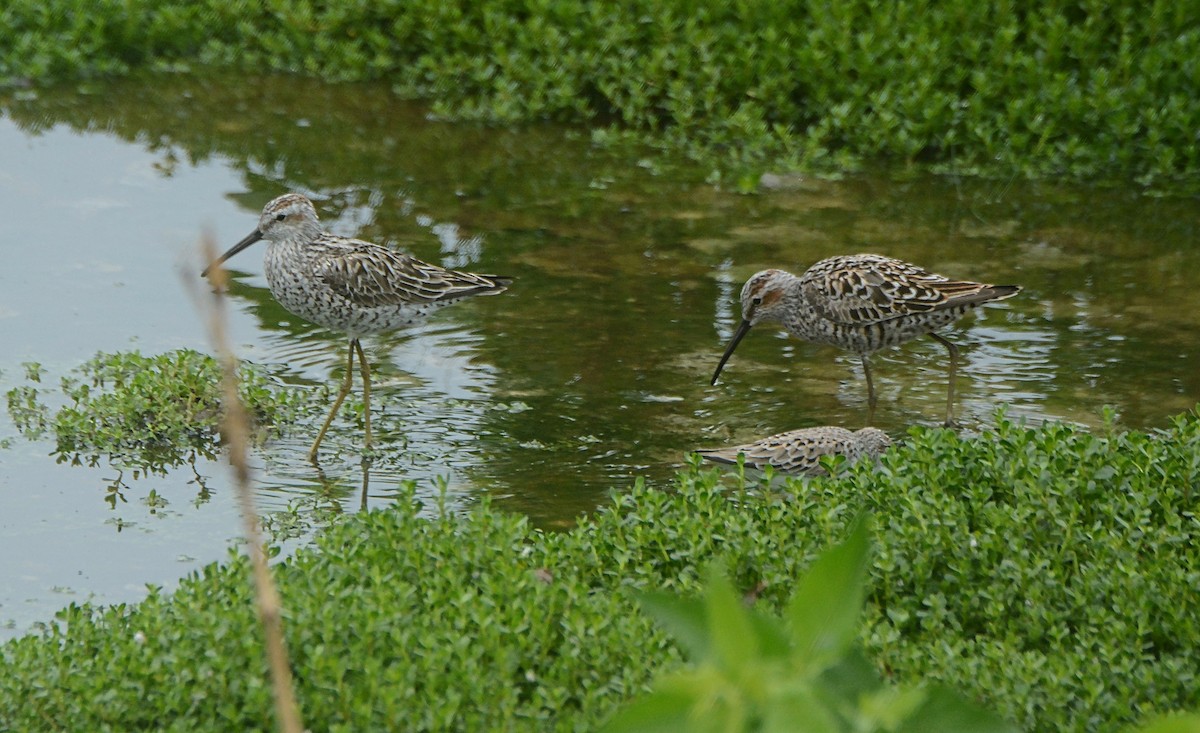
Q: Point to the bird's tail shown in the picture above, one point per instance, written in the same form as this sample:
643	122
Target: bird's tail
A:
470	283
969	293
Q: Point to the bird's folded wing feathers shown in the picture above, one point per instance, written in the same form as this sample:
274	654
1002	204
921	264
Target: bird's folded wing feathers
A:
881	291
371	275
782	451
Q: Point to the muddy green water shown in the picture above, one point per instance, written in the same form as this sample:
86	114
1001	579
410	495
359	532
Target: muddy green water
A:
591	371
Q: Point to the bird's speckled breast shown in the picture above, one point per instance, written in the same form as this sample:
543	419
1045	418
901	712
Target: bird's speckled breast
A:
870	337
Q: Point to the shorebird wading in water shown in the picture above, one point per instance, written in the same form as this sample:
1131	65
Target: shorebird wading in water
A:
350	285
862	303
800	451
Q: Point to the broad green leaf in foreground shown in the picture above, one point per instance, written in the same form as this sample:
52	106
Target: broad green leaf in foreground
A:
1171	724
824	611
730	629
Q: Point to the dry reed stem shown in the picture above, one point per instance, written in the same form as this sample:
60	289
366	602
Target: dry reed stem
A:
235	425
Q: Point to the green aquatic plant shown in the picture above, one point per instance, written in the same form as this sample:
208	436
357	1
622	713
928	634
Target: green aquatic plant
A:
149	412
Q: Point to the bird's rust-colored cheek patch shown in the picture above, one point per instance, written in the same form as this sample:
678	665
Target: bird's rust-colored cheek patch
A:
771	297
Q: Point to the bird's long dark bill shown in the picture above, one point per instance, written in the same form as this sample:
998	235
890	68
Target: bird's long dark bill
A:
250	239
738	335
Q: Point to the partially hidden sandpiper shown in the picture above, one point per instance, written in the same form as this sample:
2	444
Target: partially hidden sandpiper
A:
800	451
350	285
862	303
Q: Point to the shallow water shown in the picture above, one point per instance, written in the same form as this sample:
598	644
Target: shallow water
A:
591	371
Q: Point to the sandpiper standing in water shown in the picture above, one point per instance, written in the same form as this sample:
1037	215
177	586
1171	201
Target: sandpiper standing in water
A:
862	303
350	285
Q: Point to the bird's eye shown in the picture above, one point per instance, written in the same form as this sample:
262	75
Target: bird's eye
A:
280	217
756	300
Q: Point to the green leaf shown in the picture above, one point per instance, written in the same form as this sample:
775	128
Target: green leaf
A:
798	709
658	712
824	610
945	711
1170	724
852	677
735	643
889	707
683	618
773	639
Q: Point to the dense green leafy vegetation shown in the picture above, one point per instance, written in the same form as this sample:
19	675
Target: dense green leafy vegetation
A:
753	672
149	412
1085	89
1047	573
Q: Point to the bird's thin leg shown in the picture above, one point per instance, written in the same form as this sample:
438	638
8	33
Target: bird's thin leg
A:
953	351
366	375
337	403
870	389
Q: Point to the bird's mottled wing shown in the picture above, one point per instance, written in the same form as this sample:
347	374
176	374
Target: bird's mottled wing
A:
870	288
371	275
803	456
796	452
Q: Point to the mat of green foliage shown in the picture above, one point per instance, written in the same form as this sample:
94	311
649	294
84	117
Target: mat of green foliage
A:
145	412
1047	573
1082	88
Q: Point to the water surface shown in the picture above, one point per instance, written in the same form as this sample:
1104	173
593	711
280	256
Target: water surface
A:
591	371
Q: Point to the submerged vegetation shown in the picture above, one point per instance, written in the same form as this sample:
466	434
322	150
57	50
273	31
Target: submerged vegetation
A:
1047	573
1078	89
147	412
